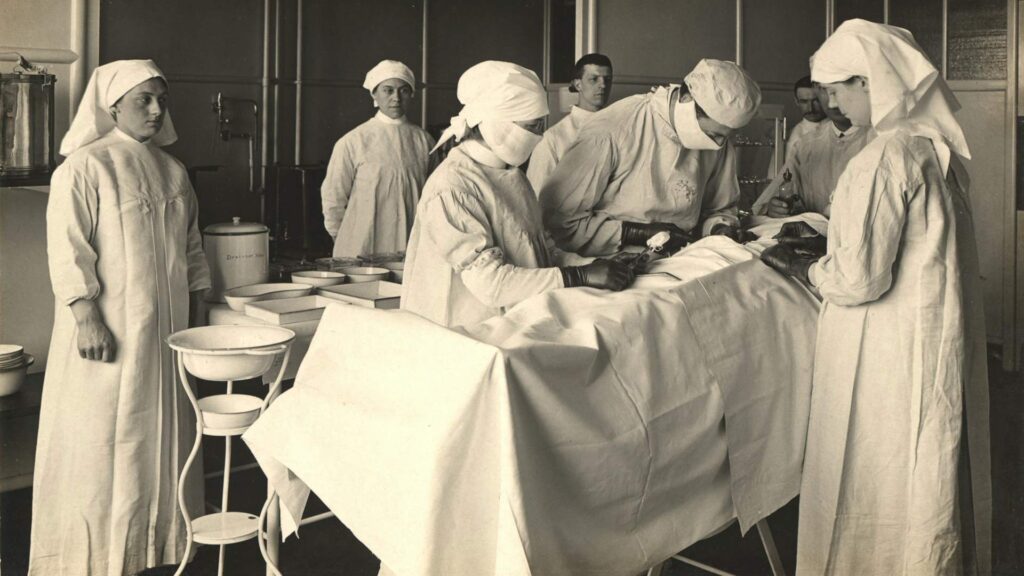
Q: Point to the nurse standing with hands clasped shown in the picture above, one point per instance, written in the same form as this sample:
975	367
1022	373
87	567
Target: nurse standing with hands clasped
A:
376	171
127	265
478	245
899	403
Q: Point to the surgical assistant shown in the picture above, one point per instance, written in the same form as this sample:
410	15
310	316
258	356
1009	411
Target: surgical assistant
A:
900	398
653	162
124	254
478	245
377	170
816	163
593	84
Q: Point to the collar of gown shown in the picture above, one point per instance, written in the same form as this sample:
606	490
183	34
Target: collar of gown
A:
580	113
841	134
388	119
127	137
661	104
482	154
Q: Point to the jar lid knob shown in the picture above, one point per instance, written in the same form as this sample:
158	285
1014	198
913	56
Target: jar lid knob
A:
236	220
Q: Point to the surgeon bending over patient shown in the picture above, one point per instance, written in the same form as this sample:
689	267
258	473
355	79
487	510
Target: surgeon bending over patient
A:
478	245
654	162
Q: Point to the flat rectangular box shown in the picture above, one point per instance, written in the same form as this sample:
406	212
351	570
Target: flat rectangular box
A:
377	294
289	310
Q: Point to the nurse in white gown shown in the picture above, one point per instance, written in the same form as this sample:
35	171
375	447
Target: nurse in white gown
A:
126	263
900	389
377	170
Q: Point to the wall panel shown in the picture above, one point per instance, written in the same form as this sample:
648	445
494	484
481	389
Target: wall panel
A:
664	38
985	132
465	32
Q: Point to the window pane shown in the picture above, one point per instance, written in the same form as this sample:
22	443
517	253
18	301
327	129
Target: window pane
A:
977	40
873	10
563	40
924	20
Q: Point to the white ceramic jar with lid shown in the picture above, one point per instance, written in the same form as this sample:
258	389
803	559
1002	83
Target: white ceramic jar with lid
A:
238	254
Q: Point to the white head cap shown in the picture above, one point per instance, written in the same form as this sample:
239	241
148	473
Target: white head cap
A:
386	70
906	90
497	91
724	91
106	86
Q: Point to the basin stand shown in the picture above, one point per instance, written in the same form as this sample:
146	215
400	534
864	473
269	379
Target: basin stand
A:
201	429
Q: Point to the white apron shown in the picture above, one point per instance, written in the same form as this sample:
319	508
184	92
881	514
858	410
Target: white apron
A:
121	230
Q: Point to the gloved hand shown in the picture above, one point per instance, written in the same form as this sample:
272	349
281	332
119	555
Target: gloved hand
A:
738	235
637	233
803	238
605	274
786	260
785	207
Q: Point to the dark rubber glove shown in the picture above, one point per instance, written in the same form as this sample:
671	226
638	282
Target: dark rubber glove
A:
738	235
786	260
802	238
605	274
637	233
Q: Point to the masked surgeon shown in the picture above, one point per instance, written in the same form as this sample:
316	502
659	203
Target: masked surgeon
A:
127	266
478	245
900	385
377	170
654	162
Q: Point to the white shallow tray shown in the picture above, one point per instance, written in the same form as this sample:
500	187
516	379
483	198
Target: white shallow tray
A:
289	310
376	294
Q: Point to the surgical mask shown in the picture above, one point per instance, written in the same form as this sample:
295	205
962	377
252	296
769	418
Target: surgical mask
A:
689	129
509	141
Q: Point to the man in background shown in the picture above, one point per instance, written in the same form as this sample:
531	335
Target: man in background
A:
813	114
592	82
815	164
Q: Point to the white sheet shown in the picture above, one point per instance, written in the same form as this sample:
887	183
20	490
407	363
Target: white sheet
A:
564	437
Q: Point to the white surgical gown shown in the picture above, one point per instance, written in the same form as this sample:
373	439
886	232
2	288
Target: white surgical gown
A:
802	130
816	164
556	141
478	245
900	361
122	231
372	185
628	164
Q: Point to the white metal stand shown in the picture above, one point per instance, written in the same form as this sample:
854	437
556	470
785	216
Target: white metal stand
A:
766	540
223	527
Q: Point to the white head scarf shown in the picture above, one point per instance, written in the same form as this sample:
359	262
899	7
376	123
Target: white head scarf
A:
106	86
906	90
724	91
386	70
496	91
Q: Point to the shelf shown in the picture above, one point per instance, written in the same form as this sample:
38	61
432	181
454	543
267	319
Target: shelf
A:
224	528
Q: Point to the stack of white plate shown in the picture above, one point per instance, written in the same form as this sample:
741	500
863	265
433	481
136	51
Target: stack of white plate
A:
13	365
11	356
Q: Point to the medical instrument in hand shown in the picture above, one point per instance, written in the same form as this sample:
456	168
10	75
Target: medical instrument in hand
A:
225	353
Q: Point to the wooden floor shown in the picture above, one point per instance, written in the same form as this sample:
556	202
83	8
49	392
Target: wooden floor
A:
328	548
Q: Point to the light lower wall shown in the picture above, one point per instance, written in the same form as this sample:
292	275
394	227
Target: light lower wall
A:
26	297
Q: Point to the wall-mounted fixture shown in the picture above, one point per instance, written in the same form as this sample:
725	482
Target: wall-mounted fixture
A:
229	129
26	125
